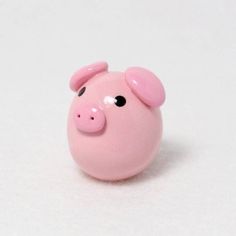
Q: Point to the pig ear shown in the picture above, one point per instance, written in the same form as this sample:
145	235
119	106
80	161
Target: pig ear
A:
146	86
86	73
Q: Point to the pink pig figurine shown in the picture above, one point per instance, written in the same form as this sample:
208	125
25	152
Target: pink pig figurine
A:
114	123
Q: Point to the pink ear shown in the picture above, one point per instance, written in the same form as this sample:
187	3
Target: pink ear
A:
86	73
146	86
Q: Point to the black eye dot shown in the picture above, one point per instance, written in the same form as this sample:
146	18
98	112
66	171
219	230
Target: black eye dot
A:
81	92
120	101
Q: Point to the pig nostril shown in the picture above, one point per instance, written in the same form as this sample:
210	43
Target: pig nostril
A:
78	116
92	118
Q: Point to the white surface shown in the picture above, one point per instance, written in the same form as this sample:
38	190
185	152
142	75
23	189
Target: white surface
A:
191	45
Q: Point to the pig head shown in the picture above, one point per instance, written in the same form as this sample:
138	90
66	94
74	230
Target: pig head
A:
143	83
114	123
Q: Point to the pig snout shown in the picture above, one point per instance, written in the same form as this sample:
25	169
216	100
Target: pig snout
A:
89	118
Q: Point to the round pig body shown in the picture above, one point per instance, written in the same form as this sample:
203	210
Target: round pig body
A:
114	123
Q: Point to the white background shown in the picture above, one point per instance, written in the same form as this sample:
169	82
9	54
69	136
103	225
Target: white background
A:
190	45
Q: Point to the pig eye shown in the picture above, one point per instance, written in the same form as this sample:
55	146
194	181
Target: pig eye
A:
81	92
120	101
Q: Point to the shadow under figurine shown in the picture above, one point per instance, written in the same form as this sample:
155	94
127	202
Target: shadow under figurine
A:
114	123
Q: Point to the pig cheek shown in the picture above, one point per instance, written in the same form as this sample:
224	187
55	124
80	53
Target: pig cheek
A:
133	135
